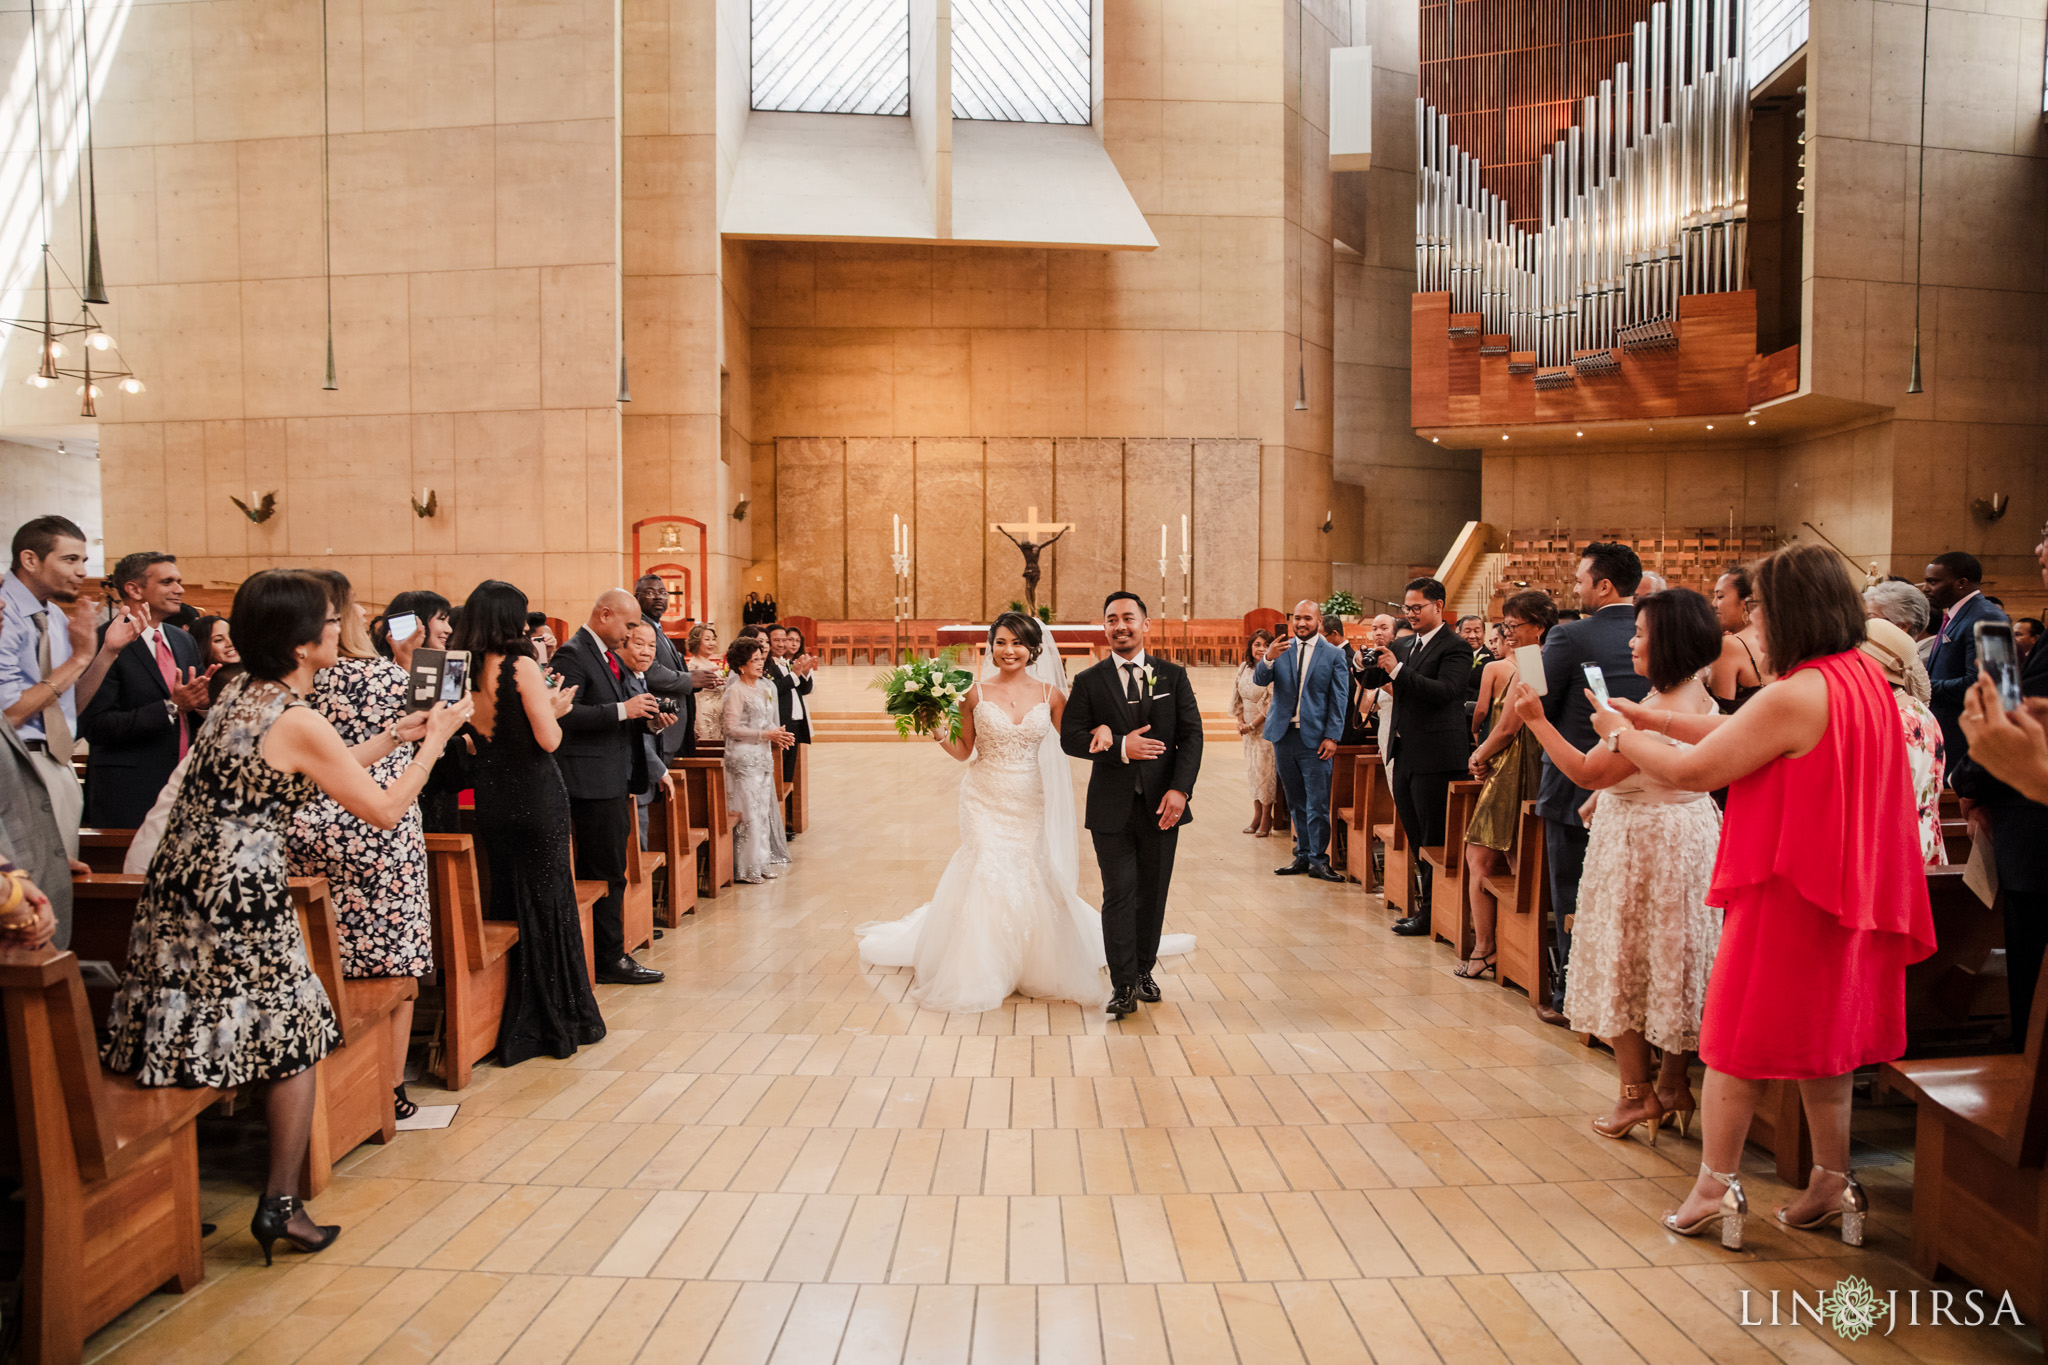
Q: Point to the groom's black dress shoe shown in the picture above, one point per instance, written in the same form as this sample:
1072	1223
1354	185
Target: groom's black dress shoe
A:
1125	1001
1322	872
626	972
1414	926
1293	869
1148	989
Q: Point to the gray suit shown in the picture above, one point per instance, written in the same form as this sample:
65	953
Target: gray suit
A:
29	836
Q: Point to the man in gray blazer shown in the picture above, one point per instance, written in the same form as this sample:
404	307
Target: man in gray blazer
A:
1607	580
29	837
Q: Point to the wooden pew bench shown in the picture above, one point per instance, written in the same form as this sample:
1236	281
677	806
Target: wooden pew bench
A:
1343	803
638	911
355	1081
472	954
1521	932
1980	1203
669	830
1373	806
704	779
109	1169
1450	914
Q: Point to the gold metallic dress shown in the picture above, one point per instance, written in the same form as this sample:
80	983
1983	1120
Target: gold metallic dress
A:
1516	770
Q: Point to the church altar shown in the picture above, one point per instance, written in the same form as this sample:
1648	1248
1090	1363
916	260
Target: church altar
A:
1081	638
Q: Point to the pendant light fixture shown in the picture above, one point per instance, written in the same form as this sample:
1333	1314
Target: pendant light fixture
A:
330	384
95	278
1913	384
84	329
1301	258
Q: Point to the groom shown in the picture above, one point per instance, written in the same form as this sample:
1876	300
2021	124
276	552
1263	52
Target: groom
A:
1135	718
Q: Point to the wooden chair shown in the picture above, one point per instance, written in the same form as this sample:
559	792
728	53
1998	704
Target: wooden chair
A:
472	954
808	626
1261	618
1343	802
837	645
1980	1203
1450	913
704	779
670	830
109	1169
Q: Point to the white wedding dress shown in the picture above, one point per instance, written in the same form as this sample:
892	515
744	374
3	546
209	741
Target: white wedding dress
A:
1006	917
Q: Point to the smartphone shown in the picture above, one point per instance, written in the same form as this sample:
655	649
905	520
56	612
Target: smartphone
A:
401	626
1597	681
455	675
2000	658
1529	663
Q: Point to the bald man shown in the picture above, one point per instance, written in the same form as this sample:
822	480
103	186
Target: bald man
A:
1311	681
604	765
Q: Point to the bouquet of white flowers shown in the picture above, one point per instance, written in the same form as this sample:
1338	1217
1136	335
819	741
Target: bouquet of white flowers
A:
924	694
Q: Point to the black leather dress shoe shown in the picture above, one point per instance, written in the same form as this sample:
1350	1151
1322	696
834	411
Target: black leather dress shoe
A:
1323	872
1293	869
1148	989
1125	1001
627	972
1414	926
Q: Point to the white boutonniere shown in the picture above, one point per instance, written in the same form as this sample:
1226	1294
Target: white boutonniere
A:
1151	681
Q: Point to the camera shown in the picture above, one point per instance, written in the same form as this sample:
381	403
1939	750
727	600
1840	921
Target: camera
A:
668	706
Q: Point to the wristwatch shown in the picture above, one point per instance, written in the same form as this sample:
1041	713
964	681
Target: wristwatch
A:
171	710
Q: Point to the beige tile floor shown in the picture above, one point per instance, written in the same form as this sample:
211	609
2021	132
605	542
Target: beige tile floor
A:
1320	1147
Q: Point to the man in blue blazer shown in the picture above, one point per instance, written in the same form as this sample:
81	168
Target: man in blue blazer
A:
1311	681
1952	588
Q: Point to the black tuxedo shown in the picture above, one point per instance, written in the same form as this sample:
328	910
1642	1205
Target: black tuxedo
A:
1427	737
2019	841
1136	856
1602	639
134	740
788	687
681	737
604	764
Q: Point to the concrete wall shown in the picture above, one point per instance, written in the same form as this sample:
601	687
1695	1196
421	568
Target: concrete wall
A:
36	481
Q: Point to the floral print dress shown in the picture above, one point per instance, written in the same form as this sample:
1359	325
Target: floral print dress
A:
377	877
219	991
1926	760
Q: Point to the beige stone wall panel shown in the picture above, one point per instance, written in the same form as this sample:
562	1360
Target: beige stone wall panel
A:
666	185
878	487
277	207
426	66
554	59
985	287
499	479
1088	477
1226	527
1019	477
1158	491
475	340
414	200
950	517
810	546
553	185
1023	380
284	351
579	325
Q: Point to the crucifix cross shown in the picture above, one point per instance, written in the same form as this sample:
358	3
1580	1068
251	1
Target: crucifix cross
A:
1030	529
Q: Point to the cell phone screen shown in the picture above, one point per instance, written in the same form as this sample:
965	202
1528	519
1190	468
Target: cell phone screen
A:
402	626
1597	681
2001	659
455	679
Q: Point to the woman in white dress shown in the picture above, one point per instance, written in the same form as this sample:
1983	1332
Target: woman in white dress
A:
754	735
1006	917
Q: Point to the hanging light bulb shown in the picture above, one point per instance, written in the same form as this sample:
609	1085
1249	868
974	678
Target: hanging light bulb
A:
99	340
90	407
93	389
56	350
132	385
37	381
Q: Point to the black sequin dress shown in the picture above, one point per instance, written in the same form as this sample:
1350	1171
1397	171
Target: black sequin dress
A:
522	821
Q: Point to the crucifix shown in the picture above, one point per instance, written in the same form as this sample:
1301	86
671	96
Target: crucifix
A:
1025	536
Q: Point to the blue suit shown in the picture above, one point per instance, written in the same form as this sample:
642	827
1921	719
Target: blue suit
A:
1952	669
1322	689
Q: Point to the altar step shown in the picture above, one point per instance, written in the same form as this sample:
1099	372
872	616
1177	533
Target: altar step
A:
875	727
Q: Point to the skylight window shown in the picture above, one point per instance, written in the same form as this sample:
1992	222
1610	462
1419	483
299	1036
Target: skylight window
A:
832	56
1021	61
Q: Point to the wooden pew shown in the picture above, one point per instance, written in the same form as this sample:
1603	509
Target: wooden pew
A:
104	850
641	865
471	953
1450	914
1524	899
704	776
669	830
109	1168
1373	806
1980	1202
353	1082
1343	802
796	802
588	894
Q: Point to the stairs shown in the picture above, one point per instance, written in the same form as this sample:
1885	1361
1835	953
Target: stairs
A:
1474	596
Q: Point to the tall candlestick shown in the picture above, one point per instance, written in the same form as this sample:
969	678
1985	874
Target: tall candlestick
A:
895	534
1162	540
1183	533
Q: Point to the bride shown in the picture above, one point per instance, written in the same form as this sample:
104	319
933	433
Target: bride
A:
1006	917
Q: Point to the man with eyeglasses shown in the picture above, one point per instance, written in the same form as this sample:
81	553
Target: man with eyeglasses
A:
1427	744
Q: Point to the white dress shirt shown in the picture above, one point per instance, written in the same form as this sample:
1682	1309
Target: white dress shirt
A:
18	669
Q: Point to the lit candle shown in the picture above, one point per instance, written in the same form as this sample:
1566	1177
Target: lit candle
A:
1162	540
895	534
1183	533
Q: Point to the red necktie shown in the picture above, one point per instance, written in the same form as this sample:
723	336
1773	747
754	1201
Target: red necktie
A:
169	668
613	660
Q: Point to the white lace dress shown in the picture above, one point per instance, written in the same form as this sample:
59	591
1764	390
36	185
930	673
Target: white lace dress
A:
1000	921
759	848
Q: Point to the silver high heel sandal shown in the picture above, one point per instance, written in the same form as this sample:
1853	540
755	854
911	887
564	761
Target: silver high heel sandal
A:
1732	1209
1850	1208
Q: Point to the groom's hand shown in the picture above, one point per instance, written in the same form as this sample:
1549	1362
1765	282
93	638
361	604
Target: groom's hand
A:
1138	748
1172	808
1327	750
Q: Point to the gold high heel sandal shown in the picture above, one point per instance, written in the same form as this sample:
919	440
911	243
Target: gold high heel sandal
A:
1679	1116
1652	1120
1850	1208
1733	1208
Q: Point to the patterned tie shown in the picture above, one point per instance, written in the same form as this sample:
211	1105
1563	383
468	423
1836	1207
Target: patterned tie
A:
56	730
168	666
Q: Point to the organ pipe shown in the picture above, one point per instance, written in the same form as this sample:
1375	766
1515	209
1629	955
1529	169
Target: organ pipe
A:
1644	200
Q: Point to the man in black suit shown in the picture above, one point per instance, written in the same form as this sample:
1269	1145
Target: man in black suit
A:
1135	719
1953	588
604	765
790	670
1354	718
1428	743
1607	579
147	711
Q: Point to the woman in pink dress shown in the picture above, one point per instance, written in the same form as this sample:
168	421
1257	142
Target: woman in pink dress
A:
1821	878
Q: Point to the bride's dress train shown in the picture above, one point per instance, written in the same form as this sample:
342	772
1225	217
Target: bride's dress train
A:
1005	918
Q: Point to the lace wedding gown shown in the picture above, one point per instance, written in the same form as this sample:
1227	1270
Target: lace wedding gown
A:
1005	919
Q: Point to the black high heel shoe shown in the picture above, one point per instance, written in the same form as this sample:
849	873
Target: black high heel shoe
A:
272	1224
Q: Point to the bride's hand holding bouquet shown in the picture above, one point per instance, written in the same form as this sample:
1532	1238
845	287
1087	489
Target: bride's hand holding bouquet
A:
924	695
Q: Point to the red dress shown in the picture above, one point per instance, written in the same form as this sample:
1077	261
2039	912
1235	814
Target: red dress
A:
1826	896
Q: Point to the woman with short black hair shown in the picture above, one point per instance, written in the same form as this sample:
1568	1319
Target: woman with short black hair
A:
754	734
219	991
